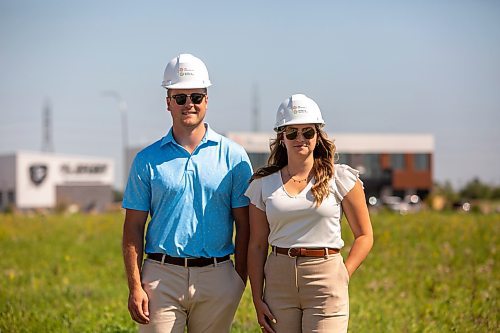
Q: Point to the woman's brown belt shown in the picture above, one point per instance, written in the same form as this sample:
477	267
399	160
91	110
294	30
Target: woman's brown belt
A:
305	252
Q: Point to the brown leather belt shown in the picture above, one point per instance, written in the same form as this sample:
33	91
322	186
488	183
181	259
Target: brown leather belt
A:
305	252
186	262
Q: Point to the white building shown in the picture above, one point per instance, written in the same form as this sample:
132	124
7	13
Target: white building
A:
33	180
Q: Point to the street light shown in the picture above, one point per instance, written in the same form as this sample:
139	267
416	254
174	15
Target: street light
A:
122	108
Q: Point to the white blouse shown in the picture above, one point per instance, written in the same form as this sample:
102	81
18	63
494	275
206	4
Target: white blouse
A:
295	221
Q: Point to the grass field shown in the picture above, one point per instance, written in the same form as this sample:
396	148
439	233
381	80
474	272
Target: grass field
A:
427	273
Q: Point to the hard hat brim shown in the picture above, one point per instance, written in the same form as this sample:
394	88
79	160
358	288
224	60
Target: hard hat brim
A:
186	85
299	122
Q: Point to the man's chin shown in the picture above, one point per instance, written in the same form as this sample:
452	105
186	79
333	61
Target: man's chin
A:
191	123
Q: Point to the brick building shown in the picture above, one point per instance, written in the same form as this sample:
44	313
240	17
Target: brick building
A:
390	164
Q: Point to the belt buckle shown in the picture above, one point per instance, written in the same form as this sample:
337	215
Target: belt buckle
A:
289	252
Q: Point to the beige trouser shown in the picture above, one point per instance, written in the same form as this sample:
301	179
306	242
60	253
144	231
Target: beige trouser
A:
203	298
307	294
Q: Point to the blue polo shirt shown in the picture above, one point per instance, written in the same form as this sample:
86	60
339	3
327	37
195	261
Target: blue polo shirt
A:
189	196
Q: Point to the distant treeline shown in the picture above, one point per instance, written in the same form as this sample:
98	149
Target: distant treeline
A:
473	190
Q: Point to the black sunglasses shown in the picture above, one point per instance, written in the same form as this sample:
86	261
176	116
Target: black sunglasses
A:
181	99
308	133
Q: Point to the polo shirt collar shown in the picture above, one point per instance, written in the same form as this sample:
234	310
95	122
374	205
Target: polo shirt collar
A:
210	135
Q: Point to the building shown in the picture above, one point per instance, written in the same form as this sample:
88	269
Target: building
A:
389	164
35	180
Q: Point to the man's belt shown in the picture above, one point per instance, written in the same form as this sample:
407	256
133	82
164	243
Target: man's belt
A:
186	262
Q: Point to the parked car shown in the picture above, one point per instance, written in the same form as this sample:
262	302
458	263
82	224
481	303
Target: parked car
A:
410	203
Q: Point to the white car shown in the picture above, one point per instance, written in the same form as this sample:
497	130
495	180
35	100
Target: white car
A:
411	203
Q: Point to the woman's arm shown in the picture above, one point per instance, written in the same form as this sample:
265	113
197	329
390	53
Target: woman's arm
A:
257	254
356	211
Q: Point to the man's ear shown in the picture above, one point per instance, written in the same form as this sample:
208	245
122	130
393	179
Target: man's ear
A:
168	103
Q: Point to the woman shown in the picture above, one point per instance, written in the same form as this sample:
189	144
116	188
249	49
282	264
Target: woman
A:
297	202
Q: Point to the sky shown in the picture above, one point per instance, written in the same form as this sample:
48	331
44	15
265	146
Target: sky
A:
428	66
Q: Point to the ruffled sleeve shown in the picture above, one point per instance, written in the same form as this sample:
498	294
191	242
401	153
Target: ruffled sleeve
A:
254	193
345	178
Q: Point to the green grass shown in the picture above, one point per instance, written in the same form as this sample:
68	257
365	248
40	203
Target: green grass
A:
427	273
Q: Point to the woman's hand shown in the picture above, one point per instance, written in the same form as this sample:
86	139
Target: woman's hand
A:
264	315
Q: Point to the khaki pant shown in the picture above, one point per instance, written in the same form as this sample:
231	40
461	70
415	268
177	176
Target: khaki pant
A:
307	294
203	298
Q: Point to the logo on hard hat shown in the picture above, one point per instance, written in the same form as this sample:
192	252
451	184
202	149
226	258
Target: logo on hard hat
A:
38	173
184	71
298	109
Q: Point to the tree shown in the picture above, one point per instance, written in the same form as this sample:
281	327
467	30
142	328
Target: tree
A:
475	189
446	190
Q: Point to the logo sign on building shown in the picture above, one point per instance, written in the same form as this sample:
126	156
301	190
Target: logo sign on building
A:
83	171
83	168
38	173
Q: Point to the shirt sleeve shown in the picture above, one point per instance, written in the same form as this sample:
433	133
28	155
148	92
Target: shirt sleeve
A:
345	178
241	174
137	194
254	193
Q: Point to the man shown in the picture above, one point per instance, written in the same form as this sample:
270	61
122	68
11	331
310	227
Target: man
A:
192	183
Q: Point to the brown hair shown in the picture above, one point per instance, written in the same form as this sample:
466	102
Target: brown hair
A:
322	168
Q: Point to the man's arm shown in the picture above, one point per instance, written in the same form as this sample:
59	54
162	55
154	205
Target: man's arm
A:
133	248
240	216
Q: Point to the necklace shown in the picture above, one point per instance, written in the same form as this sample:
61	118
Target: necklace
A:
294	180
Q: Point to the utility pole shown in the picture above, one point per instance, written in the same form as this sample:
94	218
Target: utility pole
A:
47	144
255	108
122	108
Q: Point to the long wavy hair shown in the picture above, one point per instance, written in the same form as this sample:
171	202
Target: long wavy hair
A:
322	168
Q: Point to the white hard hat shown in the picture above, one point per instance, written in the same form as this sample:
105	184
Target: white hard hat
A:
298	109
186	72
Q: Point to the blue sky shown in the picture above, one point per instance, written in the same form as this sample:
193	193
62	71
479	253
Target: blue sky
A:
372	66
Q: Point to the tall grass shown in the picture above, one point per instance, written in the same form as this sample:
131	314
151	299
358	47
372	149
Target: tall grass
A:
427	273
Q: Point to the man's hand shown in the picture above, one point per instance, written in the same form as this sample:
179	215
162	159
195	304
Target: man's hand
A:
138	306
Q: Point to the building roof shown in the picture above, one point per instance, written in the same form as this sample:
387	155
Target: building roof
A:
258	142
52	155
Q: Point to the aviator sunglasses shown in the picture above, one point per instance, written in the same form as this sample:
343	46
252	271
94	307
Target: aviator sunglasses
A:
181	99
308	133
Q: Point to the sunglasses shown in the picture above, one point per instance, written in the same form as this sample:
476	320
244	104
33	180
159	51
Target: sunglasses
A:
308	133
181	99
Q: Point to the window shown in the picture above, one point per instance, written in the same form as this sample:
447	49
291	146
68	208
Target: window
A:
357	161
398	161
372	165
258	160
11	198
343	159
421	162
